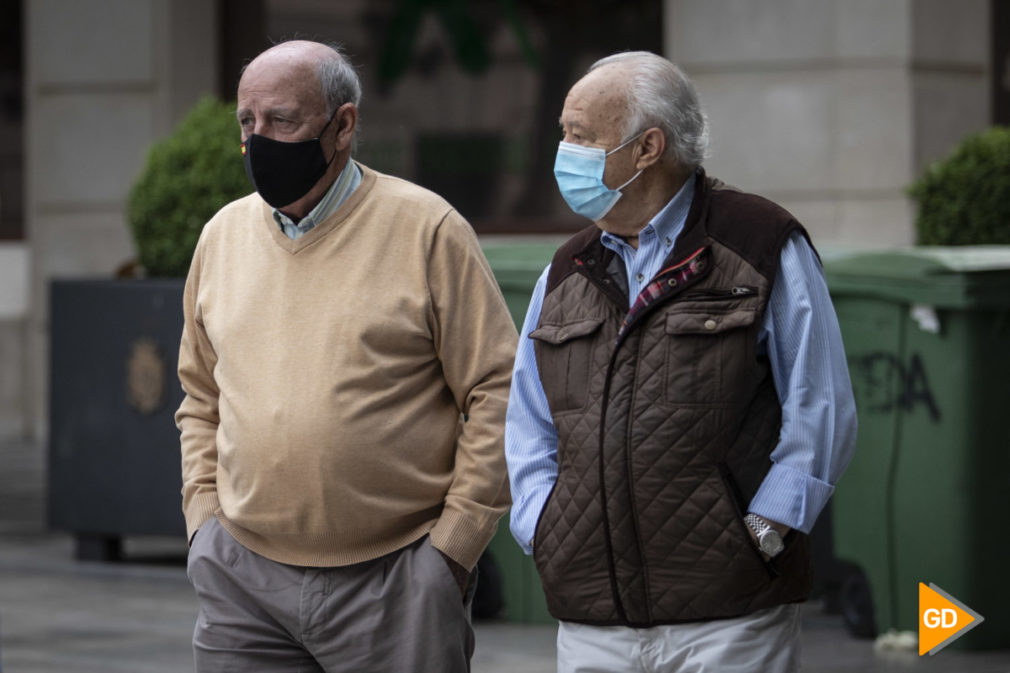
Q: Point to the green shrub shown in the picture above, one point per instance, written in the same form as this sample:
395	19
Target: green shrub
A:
965	198
187	178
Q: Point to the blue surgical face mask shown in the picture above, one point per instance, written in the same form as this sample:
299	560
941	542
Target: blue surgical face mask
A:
579	172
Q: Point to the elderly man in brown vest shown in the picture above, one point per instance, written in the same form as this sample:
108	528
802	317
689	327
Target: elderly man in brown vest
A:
680	405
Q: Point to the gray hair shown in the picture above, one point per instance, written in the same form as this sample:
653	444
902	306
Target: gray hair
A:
338	80
340	84
660	94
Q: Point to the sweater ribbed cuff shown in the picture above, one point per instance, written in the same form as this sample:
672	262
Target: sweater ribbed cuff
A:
460	538
200	510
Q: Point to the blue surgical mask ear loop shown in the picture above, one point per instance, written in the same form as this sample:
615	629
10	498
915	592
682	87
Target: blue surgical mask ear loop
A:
625	144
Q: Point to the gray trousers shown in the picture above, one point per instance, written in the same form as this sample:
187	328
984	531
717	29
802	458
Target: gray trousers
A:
767	641
402	612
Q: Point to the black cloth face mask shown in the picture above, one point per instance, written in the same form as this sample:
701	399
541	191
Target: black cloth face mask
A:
283	172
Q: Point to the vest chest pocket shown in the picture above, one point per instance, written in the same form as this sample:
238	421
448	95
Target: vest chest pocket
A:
564	357
710	352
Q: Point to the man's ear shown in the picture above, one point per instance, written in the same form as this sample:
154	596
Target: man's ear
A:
346	120
653	144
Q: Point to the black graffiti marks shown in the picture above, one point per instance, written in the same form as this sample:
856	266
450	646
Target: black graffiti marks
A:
885	383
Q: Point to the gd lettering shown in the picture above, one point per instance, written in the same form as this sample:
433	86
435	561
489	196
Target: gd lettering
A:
944	619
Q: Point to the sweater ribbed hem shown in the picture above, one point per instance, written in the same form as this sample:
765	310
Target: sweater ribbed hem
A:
321	551
454	534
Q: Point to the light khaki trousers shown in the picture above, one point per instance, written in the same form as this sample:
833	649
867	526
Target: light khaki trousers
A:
399	613
767	641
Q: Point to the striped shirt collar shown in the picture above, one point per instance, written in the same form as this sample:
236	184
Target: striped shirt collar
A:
665	225
346	182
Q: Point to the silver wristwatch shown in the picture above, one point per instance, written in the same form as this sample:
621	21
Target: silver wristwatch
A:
769	540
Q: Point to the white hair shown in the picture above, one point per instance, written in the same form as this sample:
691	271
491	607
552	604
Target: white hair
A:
660	94
338	80
340	84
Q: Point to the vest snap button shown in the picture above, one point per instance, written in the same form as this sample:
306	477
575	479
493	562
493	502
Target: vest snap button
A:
672	282
710	324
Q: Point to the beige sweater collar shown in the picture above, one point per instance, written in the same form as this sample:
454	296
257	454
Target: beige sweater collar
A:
332	222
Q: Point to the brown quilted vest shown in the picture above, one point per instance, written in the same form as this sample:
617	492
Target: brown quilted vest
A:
666	417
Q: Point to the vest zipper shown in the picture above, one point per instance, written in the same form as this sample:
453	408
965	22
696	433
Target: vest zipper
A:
633	504
609	543
715	295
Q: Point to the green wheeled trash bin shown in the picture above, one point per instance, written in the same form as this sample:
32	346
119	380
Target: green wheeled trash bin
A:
516	266
926	497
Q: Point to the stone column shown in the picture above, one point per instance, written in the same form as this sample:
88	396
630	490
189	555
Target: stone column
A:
13	321
833	107
104	79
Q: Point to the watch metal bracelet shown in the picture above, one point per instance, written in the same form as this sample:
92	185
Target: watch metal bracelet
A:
768	539
756	524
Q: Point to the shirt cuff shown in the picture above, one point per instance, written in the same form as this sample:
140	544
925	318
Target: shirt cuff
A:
791	497
523	519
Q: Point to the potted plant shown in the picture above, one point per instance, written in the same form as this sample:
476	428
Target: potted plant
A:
114	456
964	199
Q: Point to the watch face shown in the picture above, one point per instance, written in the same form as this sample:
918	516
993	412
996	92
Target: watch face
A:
771	542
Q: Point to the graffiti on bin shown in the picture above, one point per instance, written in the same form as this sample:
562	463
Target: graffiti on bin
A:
872	376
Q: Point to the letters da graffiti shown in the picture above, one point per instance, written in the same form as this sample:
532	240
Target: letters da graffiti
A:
885	383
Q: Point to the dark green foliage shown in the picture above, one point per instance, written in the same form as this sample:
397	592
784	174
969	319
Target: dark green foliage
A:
187	178
965	198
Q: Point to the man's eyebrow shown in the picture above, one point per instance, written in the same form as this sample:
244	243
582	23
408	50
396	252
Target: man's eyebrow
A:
287	112
574	125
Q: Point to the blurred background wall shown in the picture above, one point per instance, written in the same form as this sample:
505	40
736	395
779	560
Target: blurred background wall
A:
830	107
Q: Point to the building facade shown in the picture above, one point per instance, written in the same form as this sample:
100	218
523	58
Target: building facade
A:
830	107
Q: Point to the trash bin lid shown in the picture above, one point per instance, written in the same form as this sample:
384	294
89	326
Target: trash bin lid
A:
946	277
517	265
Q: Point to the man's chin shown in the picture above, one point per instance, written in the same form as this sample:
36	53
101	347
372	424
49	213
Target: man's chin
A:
616	228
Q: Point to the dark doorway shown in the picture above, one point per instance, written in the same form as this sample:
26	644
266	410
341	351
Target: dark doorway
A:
242	27
11	122
1001	62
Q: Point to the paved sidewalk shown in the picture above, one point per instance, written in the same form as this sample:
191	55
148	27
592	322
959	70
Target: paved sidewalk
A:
58	615
22	487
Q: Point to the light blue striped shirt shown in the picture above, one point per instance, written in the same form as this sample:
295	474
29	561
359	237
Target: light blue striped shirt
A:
801	337
346	182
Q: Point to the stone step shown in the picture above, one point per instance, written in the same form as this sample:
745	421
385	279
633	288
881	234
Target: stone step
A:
22	487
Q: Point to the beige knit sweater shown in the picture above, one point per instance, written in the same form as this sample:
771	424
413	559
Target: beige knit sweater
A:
327	379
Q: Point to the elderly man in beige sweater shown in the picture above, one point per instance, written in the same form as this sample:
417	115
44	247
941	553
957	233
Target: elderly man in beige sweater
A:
346	360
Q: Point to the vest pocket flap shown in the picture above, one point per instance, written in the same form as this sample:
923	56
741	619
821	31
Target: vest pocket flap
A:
712	322
559	334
